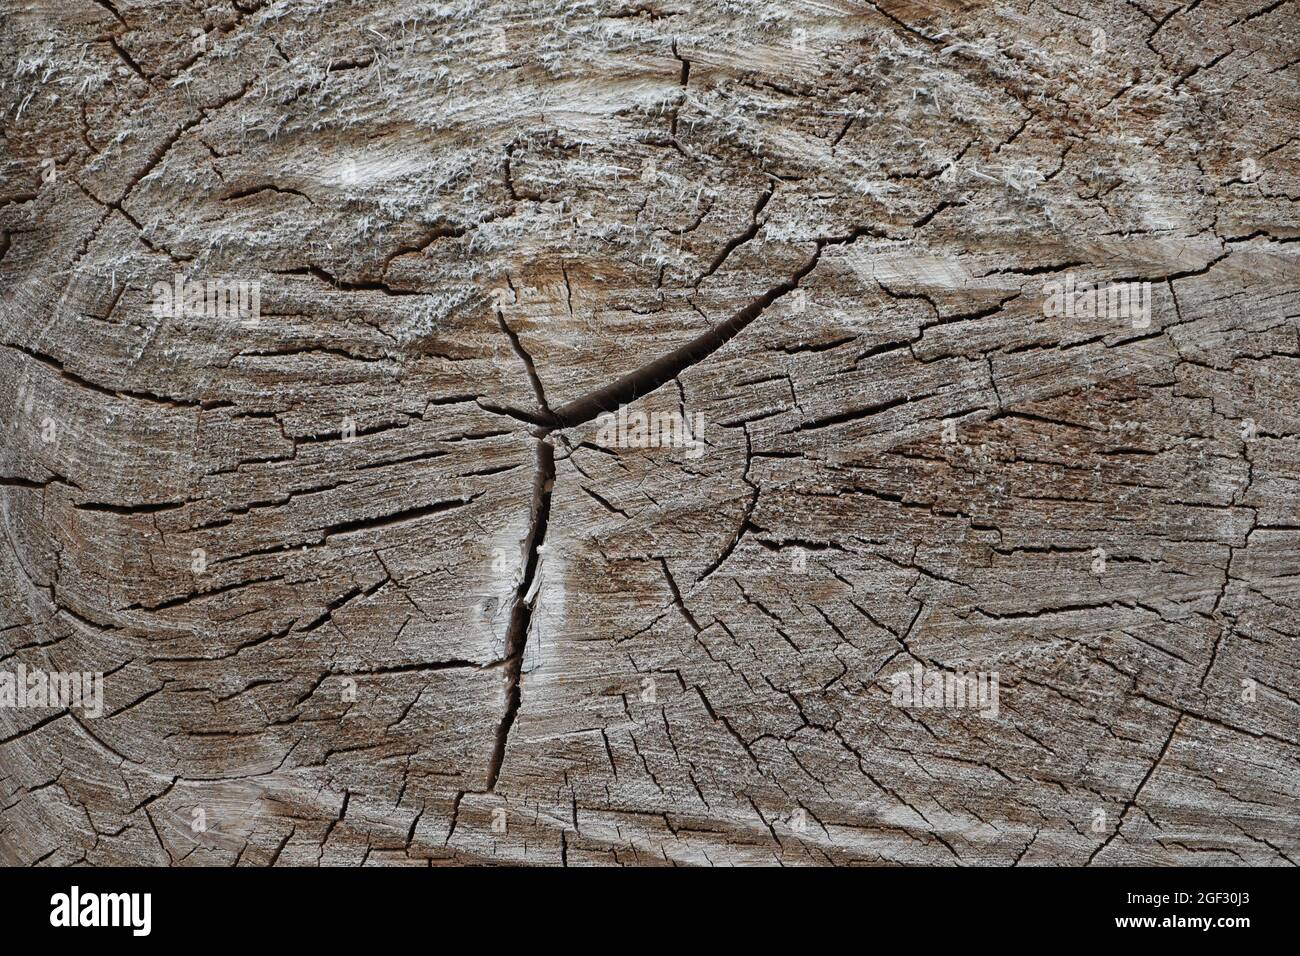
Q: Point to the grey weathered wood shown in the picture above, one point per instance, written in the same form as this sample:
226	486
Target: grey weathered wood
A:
826	229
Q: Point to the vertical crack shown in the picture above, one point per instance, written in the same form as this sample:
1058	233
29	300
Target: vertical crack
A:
683	80
521	611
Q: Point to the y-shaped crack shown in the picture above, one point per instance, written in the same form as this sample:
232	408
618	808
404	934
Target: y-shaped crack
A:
628	388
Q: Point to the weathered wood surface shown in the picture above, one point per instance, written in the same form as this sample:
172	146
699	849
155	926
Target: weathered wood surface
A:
823	227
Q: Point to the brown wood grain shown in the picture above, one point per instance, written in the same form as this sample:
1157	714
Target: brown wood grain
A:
365	578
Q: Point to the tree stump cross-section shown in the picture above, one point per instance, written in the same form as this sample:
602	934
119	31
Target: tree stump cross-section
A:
672	432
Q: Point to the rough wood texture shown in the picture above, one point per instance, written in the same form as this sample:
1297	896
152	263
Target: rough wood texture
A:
827	230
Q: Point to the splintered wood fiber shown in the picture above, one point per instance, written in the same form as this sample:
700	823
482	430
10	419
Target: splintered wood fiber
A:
649	432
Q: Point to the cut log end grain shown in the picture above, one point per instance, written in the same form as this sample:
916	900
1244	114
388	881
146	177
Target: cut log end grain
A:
614	433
